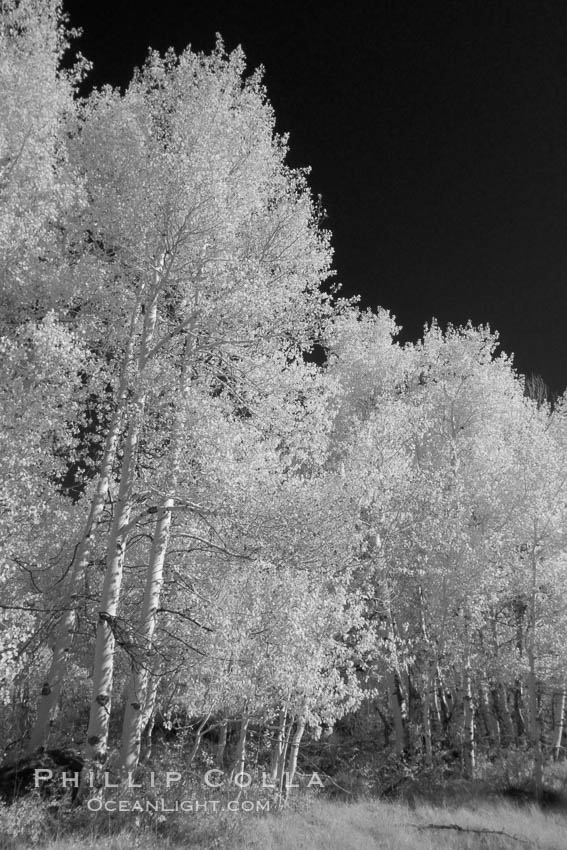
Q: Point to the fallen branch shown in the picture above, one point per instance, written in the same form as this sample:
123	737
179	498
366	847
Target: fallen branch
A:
480	831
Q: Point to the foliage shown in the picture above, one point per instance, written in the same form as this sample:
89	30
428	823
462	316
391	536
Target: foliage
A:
251	541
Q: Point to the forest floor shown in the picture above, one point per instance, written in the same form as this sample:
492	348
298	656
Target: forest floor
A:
317	824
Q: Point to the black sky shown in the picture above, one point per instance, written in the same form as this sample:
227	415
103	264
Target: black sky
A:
437	136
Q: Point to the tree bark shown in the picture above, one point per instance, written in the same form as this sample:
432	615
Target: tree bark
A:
426	721
97	732
469	754
294	750
428	684
221	746
141	661
488	714
559	722
198	739
534	725
240	760
138	683
518	711
149	713
505	722
397	709
278	745
65	630
397	701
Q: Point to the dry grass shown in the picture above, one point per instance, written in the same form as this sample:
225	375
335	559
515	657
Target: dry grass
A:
324	825
393	826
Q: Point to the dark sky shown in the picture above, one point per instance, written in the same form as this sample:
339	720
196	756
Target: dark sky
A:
437	136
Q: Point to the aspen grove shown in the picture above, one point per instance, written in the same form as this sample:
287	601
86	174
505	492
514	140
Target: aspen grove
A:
233	506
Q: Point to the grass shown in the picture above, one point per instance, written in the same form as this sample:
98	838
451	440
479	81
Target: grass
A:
394	826
326	825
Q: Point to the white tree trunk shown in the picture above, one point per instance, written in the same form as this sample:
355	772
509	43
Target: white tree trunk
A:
240	760
141	662
278	745
149	712
397	700
559	722
428	684
97	732
469	743
426	718
294	749
534	724
505	722
65	630
138	682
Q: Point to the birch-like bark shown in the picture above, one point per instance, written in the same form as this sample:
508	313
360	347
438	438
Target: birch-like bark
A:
505	722
278	745
426	721
97	732
240	760
132	726
397	701
559	707
294	749
65	629
280	778
138	683
149	713
429	679
469	755
518	711
534	725
435	714
444	708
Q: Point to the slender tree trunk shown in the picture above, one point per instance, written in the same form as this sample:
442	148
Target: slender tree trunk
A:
198	739
435	716
426	721
65	629
294	749
534	726
469	755
559	721
221	746
138	682
397	701
518	711
505	722
240	760
428	681
489	716
445	708
149	713
396	707
137	685
97	732
282	762
278	745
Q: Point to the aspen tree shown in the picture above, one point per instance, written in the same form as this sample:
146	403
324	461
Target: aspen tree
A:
231	262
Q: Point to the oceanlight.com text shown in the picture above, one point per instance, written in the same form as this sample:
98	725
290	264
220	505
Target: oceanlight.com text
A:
161	806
